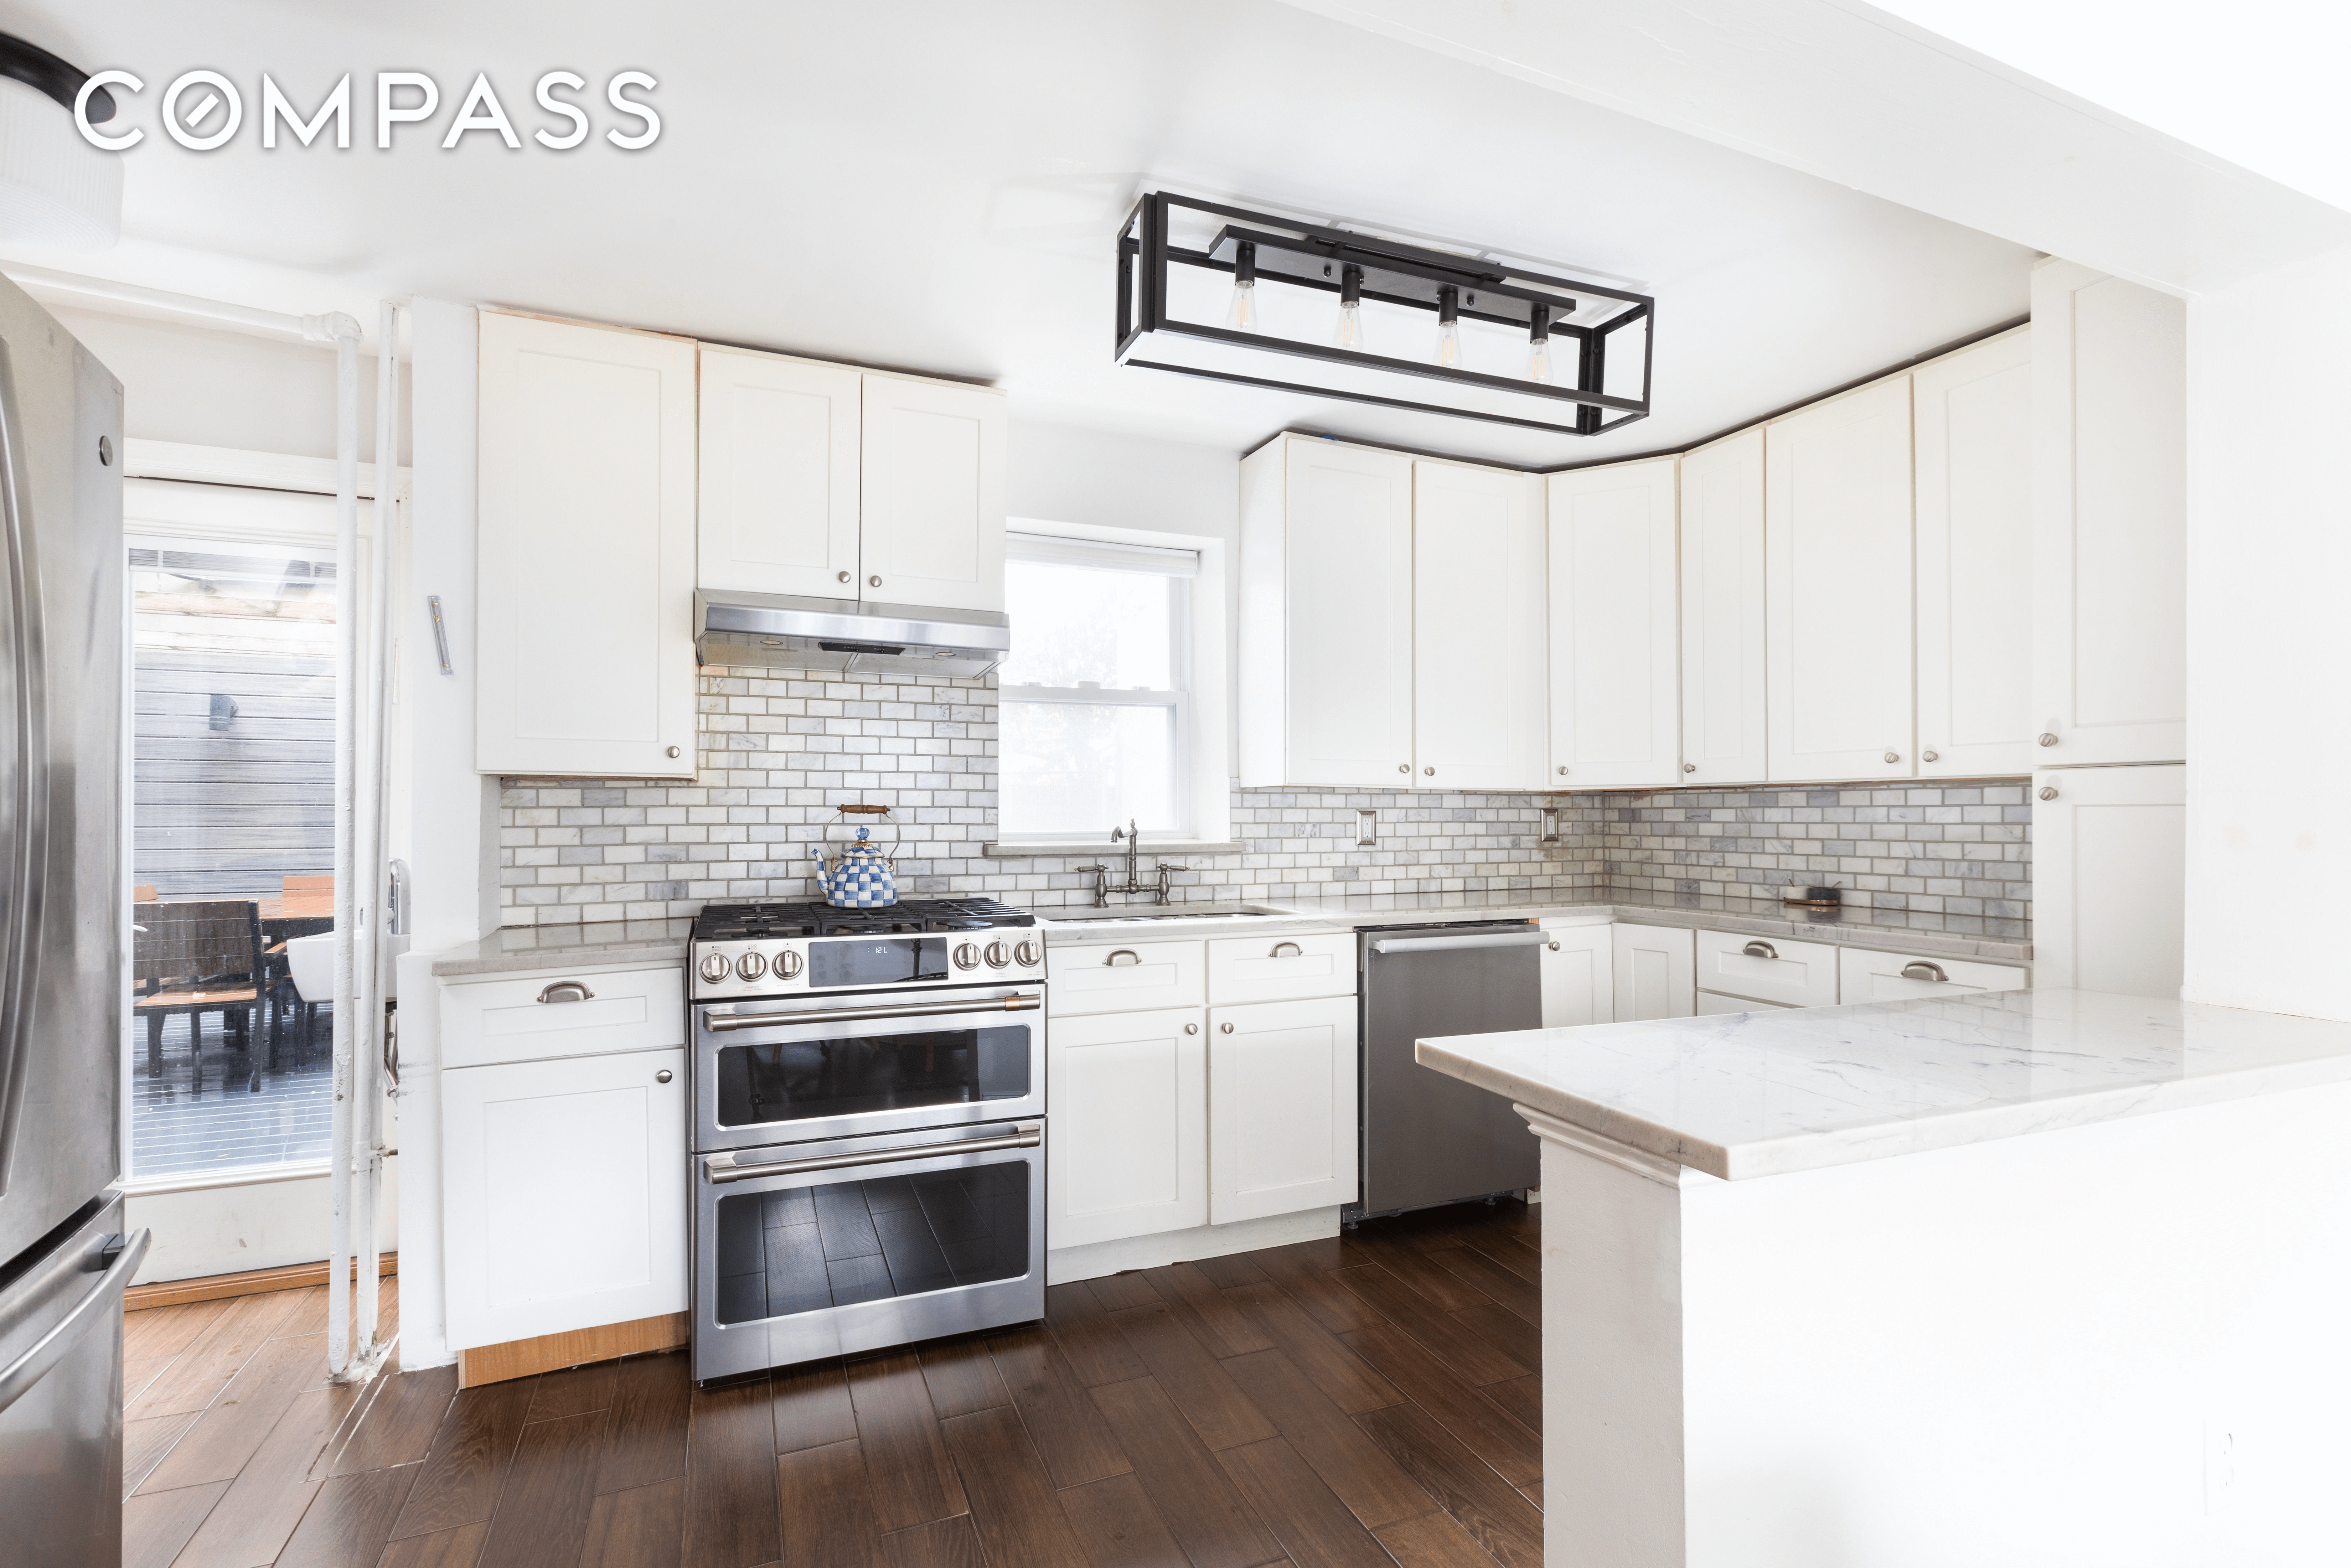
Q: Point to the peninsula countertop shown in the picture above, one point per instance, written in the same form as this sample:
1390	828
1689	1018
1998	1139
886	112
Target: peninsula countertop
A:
1750	1094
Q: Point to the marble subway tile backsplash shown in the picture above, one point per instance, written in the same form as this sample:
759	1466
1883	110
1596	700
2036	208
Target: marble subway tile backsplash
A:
781	749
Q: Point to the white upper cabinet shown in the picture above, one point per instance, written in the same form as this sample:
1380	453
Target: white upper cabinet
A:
1477	652
1837	574
2110	879
1723	736
780	461
2109	519
1326	613
1974	445
586	491
933	495
1616	703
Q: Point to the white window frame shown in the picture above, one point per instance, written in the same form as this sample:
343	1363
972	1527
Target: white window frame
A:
1195	666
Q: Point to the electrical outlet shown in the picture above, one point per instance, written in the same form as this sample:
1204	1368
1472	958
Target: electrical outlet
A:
1367	828
1551	824
2220	1469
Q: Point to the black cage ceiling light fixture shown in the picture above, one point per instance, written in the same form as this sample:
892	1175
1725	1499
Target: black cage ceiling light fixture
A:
1210	290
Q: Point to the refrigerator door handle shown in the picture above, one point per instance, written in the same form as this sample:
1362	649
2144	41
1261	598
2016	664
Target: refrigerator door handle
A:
25	840
19	1378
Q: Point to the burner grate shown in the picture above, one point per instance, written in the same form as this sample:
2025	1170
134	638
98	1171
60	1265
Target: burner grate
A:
783	918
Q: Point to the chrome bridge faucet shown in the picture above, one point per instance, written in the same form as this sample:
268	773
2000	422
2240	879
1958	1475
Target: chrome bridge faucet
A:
1104	887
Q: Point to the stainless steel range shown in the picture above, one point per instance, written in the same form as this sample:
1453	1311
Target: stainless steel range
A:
868	1094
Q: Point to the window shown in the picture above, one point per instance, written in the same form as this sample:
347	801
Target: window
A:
1095	706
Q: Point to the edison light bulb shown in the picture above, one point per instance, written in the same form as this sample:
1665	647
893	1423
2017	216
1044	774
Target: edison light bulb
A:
1448	329
1241	314
1539	345
1350	335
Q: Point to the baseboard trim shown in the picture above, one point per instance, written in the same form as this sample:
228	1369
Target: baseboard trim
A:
252	1282
574	1347
1097	1259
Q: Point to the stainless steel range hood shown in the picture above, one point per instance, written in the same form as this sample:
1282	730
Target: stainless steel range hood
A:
843	635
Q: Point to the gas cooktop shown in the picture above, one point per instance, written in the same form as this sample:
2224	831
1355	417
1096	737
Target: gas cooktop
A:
781	918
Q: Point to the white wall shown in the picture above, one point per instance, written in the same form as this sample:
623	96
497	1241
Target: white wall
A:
213	388
263	1225
2269	541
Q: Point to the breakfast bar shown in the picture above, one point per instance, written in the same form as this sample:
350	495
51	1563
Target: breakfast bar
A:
2035	1277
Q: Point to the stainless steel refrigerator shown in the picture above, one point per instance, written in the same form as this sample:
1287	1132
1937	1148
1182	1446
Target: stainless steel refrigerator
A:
64	1260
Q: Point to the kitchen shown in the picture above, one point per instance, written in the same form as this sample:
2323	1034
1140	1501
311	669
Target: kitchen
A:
735	659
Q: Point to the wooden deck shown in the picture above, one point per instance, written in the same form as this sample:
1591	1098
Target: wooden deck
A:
1372	1399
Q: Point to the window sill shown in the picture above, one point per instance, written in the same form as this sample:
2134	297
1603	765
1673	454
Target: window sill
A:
1057	848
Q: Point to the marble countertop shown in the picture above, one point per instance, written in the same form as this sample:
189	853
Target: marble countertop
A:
1752	1094
513	949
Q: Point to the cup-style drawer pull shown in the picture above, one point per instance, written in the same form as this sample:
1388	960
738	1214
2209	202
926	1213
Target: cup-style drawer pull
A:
1920	969
1123	958
1287	950
566	991
1760	950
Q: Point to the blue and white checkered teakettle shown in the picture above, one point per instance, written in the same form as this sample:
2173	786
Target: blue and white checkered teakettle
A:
860	876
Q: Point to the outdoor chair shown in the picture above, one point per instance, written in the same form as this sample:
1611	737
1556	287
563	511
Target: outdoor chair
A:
195	958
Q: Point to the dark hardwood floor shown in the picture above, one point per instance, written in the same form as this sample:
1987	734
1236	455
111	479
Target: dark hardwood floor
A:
1372	1399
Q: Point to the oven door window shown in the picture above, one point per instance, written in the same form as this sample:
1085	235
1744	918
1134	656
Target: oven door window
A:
850	1075
805	1248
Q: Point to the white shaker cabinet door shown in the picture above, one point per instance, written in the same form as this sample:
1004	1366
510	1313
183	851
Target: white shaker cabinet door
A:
586	551
1477	635
933	495
1578	968
1326	615
1723	739
1837	572
2110	879
1615	694
1974	446
2109	519
1656	972
779	475
1128	1154
563	1194
1282	1107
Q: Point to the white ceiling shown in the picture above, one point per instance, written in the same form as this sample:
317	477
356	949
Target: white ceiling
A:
936	185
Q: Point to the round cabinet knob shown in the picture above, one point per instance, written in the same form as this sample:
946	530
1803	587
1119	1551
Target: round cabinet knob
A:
2049	791
751	966
715	966
1191	1028
873	582
1562	772
788	965
1030	954
663	1076
1224	1028
1430	771
966	956
1689	767
1403	766
672	751
1929	756
2048	737
998	955
1893	757
1554	946
844	577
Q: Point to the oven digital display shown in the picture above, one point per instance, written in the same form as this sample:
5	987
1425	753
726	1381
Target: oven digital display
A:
882	961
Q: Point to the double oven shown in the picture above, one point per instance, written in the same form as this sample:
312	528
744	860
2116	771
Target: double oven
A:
870	1127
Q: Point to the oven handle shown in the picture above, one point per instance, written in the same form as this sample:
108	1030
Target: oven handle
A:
720	1169
720	1024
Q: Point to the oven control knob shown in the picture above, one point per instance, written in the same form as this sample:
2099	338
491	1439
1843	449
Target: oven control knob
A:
998	955
1029	954
714	968
788	965
750	967
966	956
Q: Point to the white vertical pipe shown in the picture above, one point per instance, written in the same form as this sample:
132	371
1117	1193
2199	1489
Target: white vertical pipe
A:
367	1096
347	676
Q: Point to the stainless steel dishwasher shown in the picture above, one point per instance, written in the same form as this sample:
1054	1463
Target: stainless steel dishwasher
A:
1427	1138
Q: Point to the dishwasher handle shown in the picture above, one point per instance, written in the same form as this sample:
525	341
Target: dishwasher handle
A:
1526	939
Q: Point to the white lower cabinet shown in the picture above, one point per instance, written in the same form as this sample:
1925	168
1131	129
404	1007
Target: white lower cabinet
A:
1130	1148
1282	1107
2110	878
1767	969
563	1194
1866	976
1578	968
1654	972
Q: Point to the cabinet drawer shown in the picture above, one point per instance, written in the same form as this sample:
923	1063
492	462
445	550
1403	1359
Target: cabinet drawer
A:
1768	970
520	1019
1711	1002
1281	968
1125	976
1866	976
